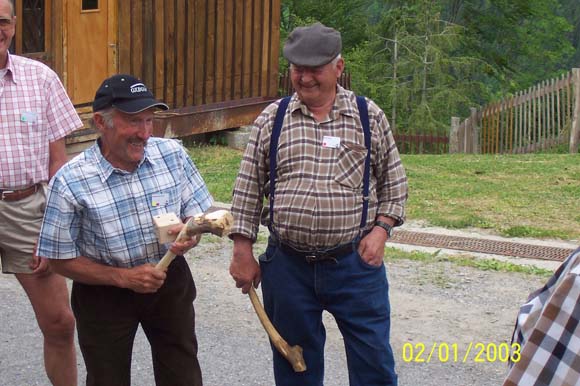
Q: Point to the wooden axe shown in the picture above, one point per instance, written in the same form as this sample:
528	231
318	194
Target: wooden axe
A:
293	354
217	222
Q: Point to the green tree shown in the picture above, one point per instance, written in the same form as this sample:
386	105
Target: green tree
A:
571	11
414	68
523	41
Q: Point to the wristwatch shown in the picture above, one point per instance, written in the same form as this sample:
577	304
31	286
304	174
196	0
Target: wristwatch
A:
386	227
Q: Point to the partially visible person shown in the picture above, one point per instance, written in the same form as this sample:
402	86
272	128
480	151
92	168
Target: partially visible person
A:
545	348
35	116
334	200
98	230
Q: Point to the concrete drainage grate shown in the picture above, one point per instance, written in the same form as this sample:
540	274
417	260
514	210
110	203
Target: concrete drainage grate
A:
505	248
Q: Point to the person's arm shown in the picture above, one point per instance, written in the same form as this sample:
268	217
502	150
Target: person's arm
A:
391	177
143	279
372	246
244	268
57	156
391	191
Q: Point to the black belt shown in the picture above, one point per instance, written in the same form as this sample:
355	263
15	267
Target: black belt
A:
312	256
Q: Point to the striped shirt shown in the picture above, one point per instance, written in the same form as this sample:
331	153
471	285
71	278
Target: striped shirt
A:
546	340
34	111
318	200
106	214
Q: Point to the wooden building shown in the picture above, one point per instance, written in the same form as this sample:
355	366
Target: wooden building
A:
214	62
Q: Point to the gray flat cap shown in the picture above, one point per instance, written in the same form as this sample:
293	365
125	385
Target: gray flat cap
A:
313	45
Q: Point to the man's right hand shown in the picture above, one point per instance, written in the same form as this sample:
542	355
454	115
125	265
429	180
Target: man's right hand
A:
143	279
244	268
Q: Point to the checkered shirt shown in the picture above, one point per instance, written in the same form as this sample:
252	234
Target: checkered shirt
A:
106	214
34	111
548	330
318	198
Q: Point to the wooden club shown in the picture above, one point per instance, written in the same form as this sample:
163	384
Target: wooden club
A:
292	353
217	222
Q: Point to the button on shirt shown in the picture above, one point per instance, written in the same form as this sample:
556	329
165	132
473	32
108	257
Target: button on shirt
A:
106	214
34	110
318	199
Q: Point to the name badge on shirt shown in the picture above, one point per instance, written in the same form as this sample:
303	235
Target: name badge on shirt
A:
331	142
28	116
159	199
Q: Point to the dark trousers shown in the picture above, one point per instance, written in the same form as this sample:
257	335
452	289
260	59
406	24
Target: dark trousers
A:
295	294
108	318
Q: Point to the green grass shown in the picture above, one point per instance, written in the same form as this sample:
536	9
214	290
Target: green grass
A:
219	167
534	195
393	254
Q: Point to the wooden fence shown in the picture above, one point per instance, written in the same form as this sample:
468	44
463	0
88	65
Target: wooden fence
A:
544	116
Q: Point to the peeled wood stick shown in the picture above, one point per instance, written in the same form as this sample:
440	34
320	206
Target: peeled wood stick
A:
218	222
293	354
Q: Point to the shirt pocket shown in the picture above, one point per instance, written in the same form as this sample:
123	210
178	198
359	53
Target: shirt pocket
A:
349	168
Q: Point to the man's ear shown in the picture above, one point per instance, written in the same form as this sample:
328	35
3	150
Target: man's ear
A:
339	67
99	121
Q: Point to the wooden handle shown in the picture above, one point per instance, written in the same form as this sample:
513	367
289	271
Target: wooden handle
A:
218	222
293	354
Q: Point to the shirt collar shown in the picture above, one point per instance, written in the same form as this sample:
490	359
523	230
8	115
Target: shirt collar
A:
104	167
11	73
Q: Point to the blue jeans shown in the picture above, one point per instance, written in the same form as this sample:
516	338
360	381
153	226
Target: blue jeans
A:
297	292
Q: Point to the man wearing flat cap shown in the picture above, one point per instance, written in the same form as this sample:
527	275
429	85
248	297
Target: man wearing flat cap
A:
98	230
328	165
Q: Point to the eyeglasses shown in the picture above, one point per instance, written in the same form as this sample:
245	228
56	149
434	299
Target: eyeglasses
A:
6	23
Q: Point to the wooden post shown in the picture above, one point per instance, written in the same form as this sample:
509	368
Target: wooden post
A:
454	136
475	132
575	130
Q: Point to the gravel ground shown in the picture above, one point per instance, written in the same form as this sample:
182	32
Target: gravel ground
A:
431	303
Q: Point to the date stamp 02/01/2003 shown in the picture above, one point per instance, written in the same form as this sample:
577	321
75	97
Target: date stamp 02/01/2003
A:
476	352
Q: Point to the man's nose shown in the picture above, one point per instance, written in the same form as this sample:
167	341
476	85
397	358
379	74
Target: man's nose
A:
145	129
306	75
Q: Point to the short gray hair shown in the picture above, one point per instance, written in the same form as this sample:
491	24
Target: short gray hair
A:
335	60
12	10
107	115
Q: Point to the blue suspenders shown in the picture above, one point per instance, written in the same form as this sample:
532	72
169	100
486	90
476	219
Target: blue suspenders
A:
279	120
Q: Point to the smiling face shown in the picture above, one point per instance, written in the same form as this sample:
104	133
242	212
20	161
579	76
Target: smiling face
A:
316	86
7	29
124	137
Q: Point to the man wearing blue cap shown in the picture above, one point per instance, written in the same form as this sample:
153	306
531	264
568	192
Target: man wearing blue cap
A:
328	164
98	230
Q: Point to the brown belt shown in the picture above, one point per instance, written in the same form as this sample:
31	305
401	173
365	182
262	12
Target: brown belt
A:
16	195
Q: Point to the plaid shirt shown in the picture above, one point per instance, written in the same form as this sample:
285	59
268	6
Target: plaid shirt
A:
34	111
319	189
548	330
106	214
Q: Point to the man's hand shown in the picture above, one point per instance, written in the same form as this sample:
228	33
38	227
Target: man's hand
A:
181	247
244	268
143	278
372	247
37	264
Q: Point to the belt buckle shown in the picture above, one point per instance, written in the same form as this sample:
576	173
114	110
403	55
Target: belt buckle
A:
311	258
4	192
